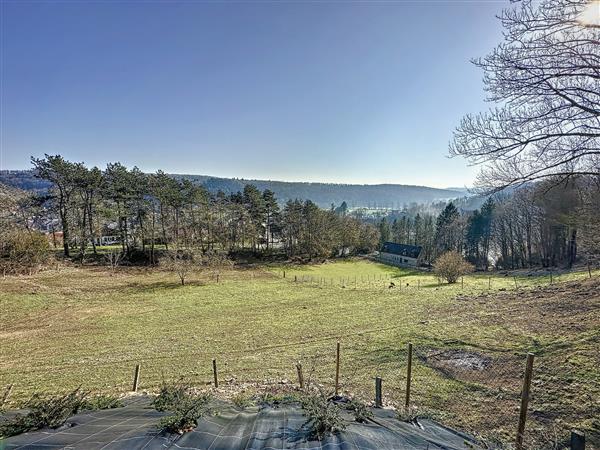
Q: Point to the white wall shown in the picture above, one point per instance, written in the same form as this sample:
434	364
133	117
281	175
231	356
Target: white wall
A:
398	260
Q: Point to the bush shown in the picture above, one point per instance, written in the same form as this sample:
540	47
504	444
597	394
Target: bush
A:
361	412
186	414
169	396
54	411
101	402
44	412
185	406
323	416
242	400
450	266
22	251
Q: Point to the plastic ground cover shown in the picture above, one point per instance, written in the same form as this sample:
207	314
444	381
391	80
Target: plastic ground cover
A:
262	427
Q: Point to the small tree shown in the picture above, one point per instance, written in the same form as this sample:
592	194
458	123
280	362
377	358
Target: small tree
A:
451	265
114	258
216	263
181	263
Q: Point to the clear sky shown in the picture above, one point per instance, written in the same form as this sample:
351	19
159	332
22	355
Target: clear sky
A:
340	91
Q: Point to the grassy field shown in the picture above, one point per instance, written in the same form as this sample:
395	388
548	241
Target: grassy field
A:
82	326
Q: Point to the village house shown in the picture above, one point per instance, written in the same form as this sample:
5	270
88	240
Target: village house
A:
400	255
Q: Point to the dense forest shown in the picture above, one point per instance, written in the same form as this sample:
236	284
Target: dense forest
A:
322	194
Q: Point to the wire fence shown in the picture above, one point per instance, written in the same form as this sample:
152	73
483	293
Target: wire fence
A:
423	280
475	390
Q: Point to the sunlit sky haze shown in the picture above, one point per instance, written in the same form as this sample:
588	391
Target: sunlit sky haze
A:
353	91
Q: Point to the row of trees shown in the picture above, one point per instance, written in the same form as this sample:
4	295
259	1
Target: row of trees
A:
545	224
418	230
147	210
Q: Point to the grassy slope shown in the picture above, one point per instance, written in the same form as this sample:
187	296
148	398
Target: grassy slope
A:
82	326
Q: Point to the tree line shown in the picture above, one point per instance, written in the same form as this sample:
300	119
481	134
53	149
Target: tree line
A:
540	137
149	211
549	223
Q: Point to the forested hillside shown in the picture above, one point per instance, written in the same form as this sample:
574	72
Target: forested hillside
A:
322	194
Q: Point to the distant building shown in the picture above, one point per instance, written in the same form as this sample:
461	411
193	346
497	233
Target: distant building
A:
401	255
107	240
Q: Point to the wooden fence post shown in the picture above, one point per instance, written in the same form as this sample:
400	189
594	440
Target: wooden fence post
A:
295	278
577	440
337	369
136	378
489	283
6	394
378	402
300	375
524	400
408	375
284	274
462	282
215	373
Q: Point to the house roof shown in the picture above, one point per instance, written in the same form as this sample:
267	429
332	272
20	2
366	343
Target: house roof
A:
410	251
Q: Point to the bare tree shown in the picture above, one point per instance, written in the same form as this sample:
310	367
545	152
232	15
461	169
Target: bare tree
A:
588	217
114	258
545	80
181	263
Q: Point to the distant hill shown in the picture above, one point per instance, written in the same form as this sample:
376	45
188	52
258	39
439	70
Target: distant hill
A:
323	194
24	180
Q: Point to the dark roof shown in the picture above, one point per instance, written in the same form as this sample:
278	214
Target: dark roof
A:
411	251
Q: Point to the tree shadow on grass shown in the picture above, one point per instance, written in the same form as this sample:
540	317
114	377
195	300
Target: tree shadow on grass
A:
158	286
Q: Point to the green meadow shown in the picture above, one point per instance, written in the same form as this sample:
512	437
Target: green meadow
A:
82	326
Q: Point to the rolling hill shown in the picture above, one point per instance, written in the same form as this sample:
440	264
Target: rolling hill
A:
323	194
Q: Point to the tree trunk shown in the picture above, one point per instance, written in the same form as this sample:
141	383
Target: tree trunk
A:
91	225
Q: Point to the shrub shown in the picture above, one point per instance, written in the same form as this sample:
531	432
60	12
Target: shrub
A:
44	412
170	395
101	402
323	416
242	400
185	406
22	251
186	414
361	412
450	266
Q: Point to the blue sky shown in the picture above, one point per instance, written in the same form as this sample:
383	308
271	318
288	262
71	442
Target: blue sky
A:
344	91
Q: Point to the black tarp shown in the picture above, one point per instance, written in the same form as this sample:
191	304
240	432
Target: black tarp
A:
261	427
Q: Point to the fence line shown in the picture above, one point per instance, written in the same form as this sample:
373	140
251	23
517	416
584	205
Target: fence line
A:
470	390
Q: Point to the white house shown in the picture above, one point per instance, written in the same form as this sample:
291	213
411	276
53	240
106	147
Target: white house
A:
400	255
